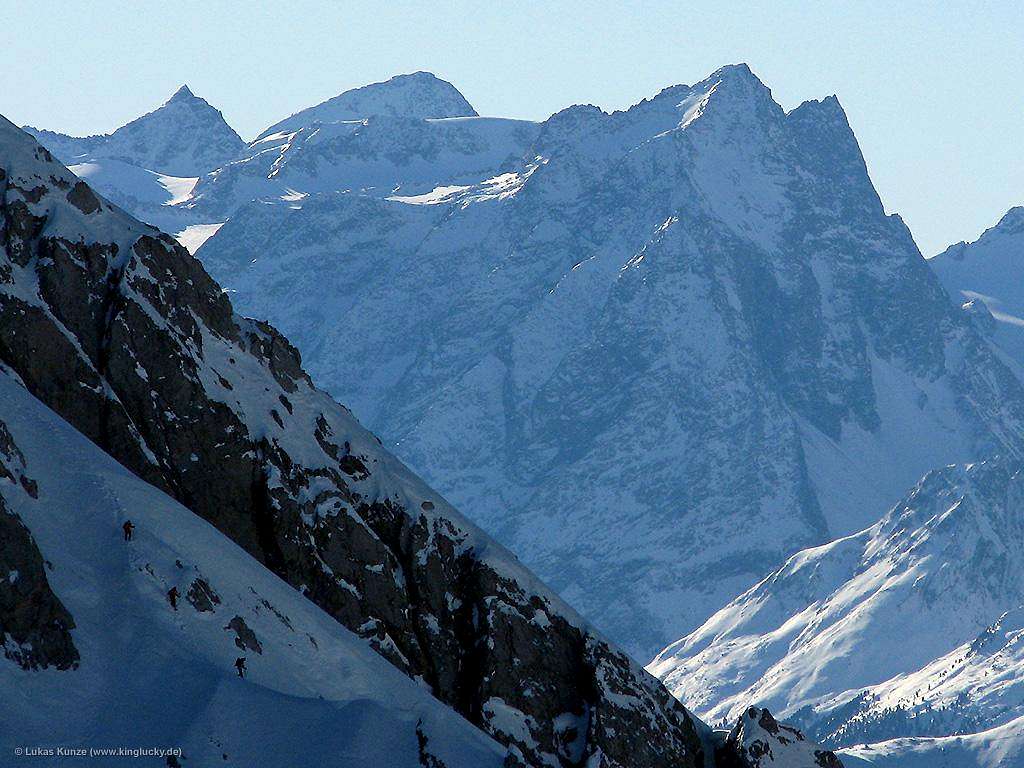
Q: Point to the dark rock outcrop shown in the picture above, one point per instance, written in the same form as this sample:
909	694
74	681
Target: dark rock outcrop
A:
35	627
758	740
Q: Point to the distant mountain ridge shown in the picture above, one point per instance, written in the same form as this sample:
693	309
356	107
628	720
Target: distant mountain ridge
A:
909	628
696	309
417	95
141	356
183	169
151	165
186	137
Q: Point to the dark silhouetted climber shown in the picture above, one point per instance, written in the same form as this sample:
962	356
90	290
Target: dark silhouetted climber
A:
172	595
129	527
240	666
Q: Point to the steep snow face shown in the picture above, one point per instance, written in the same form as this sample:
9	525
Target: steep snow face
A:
899	630
185	137
152	675
672	345
417	95
380	155
985	275
126	337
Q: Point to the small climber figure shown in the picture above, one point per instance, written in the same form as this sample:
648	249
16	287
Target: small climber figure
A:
128	527
240	666
172	595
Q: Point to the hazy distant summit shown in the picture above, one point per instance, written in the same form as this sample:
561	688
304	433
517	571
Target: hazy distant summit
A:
419	95
185	137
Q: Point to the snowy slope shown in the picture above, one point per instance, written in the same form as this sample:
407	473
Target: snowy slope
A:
1001	747
151	676
181	168
416	95
911	627
382	155
150	166
988	271
185	137
119	330
671	346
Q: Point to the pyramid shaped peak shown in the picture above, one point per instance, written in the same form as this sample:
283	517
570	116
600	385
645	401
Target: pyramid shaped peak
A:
740	69
182	94
734	75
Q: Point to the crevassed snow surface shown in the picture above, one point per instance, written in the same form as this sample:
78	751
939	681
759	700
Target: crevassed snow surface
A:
151	676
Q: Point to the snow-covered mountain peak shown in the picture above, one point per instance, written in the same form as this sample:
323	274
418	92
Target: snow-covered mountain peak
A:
419	95
738	77
638	264
735	91
852	636
185	137
1012	221
965	519
183	94
991	243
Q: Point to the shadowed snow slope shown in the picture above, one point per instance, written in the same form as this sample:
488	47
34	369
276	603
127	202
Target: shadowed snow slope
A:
666	348
900	630
152	676
989	272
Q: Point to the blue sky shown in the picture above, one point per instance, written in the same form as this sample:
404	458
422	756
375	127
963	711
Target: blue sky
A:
934	91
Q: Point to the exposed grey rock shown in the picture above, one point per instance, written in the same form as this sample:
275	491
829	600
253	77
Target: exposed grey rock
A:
35	627
202	596
245	638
